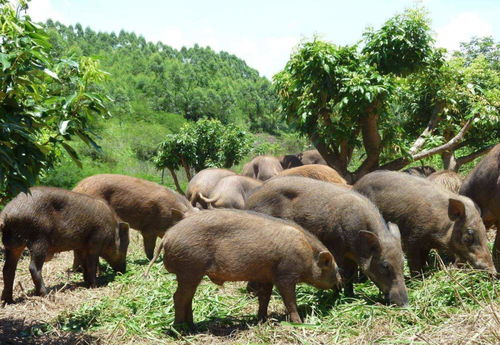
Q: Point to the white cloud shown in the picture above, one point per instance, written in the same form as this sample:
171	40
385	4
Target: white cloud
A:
41	10
268	55
462	28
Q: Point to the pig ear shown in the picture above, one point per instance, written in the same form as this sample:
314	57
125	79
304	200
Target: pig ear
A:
456	209
394	230
325	259
123	232
368	243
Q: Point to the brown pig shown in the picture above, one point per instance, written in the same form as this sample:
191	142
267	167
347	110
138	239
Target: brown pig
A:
51	220
311	157
231	192
145	205
262	168
203	183
347	223
482	185
429	218
234	245
448	179
315	171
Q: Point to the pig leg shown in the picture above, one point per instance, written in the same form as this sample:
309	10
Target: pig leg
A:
496	248
90	262
349	269
9	272
149	239
36	264
183	299
263	291
287	292
417	258
77	261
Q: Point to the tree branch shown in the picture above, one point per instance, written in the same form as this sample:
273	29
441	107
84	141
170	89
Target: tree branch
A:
470	157
433	121
448	146
400	163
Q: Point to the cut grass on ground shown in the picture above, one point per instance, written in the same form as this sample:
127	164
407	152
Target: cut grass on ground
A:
447	307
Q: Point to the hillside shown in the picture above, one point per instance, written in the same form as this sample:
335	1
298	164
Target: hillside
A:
148	79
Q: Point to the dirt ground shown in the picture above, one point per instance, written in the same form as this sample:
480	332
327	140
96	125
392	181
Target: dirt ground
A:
23	322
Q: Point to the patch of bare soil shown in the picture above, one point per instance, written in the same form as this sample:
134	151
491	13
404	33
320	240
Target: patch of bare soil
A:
67	292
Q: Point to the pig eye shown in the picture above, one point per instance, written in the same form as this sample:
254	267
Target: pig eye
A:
469	237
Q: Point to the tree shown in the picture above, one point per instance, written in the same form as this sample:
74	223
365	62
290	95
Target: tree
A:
349	100
200	145
44	101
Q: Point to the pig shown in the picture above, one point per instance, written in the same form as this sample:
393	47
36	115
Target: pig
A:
429	218
231	192
262	168
235	245
145	205
482	185
203	183
317	172
347	223
290	161
311	157
50	220
447	179
422	171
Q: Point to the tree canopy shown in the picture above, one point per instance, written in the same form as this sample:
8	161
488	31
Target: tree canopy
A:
44	101
202	144
361	101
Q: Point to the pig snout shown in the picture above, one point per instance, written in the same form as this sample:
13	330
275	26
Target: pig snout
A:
398	296
482	261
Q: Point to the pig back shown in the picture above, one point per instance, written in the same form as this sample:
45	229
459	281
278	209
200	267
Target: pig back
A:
414	203
236	241
65	219
143	204
482	185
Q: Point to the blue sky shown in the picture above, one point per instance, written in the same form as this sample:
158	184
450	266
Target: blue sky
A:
263	33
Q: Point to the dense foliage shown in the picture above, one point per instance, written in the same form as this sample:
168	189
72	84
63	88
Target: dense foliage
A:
149	79
44	101
202	144
392	101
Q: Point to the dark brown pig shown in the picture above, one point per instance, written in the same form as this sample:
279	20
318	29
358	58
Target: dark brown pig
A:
262	168
203	183
311	157
315	171
145	205
482	185
290	161
429	218
234	245
422	171
347	223
231	192
51	220
448	179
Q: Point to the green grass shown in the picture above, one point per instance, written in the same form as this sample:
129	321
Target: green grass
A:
143	308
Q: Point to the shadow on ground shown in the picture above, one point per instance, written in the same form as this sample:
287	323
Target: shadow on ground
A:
18	331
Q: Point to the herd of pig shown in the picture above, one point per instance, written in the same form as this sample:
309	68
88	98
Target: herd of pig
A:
281	222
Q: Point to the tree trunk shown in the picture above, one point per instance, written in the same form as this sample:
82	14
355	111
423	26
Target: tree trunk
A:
176	181
449	161
186	169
